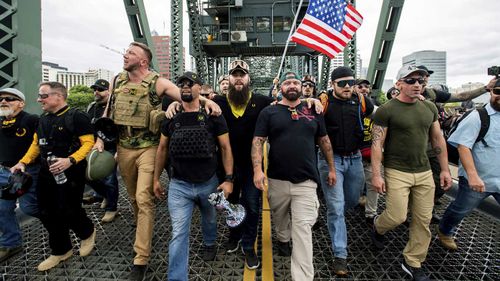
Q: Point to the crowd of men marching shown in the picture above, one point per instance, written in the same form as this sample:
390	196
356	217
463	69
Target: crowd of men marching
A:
340	143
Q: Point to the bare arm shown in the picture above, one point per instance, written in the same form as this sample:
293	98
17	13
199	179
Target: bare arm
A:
379	134
439	146
326	147
467	161
467	95
227	162
160	159
257	154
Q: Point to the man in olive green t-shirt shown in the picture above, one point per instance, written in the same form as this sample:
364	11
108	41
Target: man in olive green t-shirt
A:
402	128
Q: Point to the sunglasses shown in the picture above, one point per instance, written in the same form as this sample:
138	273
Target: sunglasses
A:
411	81
99	90
496	91
308	84
43	96
9	99
364	86
343	83
189	83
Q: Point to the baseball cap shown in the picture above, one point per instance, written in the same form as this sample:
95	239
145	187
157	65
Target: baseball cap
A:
407	70
100	84
340	72
14	92
222	78
238	65
362	81
423	67
308	78
290	75
191	76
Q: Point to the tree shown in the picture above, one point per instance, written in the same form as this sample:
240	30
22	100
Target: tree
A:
80	96
80	89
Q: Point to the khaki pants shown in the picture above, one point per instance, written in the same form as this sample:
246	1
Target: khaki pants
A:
136	168
301	200
417	190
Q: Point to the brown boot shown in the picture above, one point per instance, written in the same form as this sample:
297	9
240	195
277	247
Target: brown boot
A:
447	241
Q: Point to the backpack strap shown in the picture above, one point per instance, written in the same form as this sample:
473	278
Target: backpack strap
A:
485	125
431	93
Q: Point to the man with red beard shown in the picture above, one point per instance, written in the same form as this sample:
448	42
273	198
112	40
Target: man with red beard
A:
292	130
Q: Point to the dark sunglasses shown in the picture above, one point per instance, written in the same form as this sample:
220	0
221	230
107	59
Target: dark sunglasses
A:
9	99
205	95
99	90
308	84
411	81
343	83
496	91
189	83
364	86
43	96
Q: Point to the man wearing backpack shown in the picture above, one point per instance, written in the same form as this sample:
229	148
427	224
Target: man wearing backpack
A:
344	113
479	166
402	128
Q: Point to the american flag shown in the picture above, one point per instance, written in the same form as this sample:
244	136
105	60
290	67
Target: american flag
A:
328	26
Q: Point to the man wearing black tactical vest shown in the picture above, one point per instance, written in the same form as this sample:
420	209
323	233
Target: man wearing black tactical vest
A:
16	135
189	141
344	113
134	106
67	134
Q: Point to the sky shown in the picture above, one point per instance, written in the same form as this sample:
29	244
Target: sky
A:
74	30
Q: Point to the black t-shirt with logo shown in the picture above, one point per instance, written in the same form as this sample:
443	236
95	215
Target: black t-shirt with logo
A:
292	155
194	170
16	136
241	129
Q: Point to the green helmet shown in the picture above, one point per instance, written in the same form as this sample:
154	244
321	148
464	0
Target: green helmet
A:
99	164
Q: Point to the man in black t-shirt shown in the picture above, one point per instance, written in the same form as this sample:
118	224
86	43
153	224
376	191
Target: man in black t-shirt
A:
16	135
189	140
293	131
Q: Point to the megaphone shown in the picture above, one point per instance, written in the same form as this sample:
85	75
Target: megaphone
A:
235	213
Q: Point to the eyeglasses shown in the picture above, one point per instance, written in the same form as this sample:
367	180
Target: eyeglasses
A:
99	90
43	96
496	91
205	95
308	84
183	83
364	86
411	81
9	99
343	83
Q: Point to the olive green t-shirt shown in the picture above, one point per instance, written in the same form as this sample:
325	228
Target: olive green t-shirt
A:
408	126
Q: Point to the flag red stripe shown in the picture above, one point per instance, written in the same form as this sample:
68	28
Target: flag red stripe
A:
324	31
314	47
318	39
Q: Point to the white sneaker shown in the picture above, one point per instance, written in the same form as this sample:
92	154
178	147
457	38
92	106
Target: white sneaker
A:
87	245
53	260
109	216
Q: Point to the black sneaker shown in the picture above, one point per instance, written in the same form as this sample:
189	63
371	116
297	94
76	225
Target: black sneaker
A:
209	253
377	239
138	272
284	249
232	245
417	274
340	267
6	253
251	259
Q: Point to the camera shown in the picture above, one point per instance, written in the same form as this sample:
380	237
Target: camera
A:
494	71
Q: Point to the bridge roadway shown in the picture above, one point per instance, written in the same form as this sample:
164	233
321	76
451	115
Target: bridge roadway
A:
478	257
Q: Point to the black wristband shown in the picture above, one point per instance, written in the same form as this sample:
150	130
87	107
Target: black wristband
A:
72	160
229	178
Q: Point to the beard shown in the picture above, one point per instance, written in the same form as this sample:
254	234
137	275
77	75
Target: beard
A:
131	67
238	98
291	95
6	112
495	103
187	97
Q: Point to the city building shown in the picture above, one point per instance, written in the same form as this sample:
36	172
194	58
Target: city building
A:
162	51
55	72
49	71
433	60
339	61
93	74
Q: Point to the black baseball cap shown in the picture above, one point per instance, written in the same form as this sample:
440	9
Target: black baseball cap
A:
423	67
191	76
101	85
362	81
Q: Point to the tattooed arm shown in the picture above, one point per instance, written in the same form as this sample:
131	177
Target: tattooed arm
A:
378	139
259	177
439	145
326	148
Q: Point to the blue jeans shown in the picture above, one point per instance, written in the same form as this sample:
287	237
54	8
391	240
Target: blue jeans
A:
245	193
9	226
344	195
465	202
182	197
107	188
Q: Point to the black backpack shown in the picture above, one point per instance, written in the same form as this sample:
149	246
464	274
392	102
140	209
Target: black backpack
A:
451	127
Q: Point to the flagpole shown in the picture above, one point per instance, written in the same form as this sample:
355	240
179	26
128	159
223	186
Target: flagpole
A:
289	35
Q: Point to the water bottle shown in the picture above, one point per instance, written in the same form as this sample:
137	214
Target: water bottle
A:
60	177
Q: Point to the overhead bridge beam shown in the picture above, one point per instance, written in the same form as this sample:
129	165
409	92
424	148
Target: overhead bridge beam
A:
384	40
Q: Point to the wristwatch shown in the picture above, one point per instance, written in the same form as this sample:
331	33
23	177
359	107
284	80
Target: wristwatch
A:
229	178
72	160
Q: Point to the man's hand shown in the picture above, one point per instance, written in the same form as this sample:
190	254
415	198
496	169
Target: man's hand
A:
60	165
491	84
172	109
212	108
259	179
378	184
99	145
18	167
227	187
332	178
445	180
476	183
317	105
158	190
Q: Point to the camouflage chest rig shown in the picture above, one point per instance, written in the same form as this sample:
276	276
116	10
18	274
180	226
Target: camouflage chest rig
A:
136	109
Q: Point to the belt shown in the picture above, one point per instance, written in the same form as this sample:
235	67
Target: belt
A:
346	154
